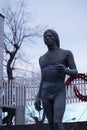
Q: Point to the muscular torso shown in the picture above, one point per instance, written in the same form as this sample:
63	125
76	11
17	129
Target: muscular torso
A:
53	80
54	57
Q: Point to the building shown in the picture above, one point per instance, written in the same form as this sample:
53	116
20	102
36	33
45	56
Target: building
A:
1	46
1	60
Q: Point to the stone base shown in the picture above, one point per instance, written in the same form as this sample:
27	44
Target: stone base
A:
67	126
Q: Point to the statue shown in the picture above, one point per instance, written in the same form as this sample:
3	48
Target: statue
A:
54	64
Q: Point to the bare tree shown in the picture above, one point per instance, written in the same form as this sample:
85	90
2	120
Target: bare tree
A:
17	30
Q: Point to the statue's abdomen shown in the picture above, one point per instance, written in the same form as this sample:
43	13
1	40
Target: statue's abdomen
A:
52	79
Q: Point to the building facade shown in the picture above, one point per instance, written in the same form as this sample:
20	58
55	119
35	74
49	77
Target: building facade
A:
1	46
1	61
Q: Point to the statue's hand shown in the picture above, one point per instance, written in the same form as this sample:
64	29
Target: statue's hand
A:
38	104
60	67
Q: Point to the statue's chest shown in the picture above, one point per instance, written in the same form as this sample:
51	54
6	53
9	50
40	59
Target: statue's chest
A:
52	59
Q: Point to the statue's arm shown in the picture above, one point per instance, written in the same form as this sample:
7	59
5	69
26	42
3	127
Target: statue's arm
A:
72	69
38	97
40	89
41	82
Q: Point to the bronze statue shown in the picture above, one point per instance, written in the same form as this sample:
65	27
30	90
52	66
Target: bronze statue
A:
54	64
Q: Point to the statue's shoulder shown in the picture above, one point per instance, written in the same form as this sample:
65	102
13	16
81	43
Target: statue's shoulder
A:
69	53
66	52
42	59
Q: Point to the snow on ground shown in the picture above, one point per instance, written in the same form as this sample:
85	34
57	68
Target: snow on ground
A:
74	113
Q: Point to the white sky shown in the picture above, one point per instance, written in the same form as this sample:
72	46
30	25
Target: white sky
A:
69	19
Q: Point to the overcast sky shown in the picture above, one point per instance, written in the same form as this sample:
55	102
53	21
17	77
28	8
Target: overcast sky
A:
69	19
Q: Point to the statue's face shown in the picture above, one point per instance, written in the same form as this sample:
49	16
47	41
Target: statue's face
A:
49	38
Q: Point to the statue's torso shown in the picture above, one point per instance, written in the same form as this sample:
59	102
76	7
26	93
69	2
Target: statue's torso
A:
53	79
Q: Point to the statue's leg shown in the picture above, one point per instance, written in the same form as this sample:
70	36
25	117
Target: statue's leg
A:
58	126
51	126
59	108
48	109
0	116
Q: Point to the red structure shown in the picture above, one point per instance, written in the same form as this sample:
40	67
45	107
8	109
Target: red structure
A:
76	90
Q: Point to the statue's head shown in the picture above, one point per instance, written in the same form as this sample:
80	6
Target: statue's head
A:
54	33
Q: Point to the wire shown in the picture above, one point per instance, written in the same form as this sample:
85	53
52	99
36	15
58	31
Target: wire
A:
82	113
73	128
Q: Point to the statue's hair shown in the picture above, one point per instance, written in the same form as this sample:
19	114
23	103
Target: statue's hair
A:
55	35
